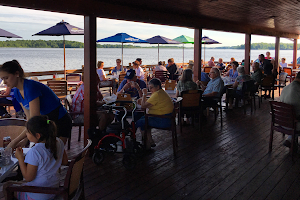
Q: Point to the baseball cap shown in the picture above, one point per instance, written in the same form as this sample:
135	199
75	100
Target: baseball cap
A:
130	74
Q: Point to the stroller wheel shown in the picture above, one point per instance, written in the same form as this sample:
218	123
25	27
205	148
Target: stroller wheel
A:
98	157
129	161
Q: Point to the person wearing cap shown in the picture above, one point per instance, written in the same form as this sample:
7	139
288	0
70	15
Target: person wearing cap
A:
238	85
132	85
138	70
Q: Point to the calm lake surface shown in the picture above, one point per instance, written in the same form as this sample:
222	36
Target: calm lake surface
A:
46	59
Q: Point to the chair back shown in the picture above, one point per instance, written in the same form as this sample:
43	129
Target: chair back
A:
121	78
268	81
170	85
283	114
207	69
161	75
58	87
73	77
282	78
191	98
249	86
12	127
288	71
74	175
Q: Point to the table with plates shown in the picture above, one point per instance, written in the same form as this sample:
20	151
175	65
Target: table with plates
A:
6	170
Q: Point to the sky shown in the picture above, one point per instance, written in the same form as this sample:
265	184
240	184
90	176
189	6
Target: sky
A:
26	22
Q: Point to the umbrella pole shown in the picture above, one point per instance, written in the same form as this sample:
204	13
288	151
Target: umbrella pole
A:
182	55
204	54
122	55
64	58
158	54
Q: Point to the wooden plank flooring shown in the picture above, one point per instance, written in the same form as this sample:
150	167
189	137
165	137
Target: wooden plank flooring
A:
229	162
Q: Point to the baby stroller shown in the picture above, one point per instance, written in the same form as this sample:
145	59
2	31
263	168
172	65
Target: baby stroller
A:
119	131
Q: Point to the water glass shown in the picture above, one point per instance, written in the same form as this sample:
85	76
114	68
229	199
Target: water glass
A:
6	156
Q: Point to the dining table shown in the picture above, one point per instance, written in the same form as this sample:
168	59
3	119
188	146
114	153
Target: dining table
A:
6	170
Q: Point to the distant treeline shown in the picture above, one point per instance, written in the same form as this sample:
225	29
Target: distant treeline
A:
69	44
270	46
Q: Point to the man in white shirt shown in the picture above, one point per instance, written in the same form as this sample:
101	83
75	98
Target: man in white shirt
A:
138	70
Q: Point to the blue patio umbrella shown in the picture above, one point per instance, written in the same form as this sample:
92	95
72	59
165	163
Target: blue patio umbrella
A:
4	33
207	40
62	28
123	38
161	40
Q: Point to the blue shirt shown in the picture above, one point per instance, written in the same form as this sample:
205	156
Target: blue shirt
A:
233	75
205	77
115	69
214	85
47	171
48	100
133	91
221	65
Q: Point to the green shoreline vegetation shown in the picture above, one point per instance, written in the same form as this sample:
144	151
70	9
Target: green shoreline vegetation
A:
74	44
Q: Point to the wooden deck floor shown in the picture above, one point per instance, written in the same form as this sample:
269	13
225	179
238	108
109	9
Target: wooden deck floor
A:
229	162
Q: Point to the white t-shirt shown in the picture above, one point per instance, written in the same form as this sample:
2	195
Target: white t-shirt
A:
140	72
47	172
101	73
283	65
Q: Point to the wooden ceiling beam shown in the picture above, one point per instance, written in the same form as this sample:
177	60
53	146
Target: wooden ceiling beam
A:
140	14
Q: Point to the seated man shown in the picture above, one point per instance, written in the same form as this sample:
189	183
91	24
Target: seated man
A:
132	85
214	88
291	95
221	65
257	76
211	62
172	69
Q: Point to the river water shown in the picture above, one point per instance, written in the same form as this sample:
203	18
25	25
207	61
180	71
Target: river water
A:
46	59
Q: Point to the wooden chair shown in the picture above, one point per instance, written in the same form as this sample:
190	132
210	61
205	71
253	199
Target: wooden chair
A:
108	83
73	78
12	127
267	84
248	94
190	104
121	78
161	75
73	187
68	106
207	69
58	87
290	75
284	121
281	81
172	128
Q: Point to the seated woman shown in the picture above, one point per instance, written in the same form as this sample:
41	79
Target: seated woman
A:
105	82
232	73
158	104
238	85
186	82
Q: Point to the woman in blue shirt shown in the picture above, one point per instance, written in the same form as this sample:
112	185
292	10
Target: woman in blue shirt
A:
35	99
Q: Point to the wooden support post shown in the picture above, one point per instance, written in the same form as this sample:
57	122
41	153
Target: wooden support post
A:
197	54
90	79
247	53
277	49
295	54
